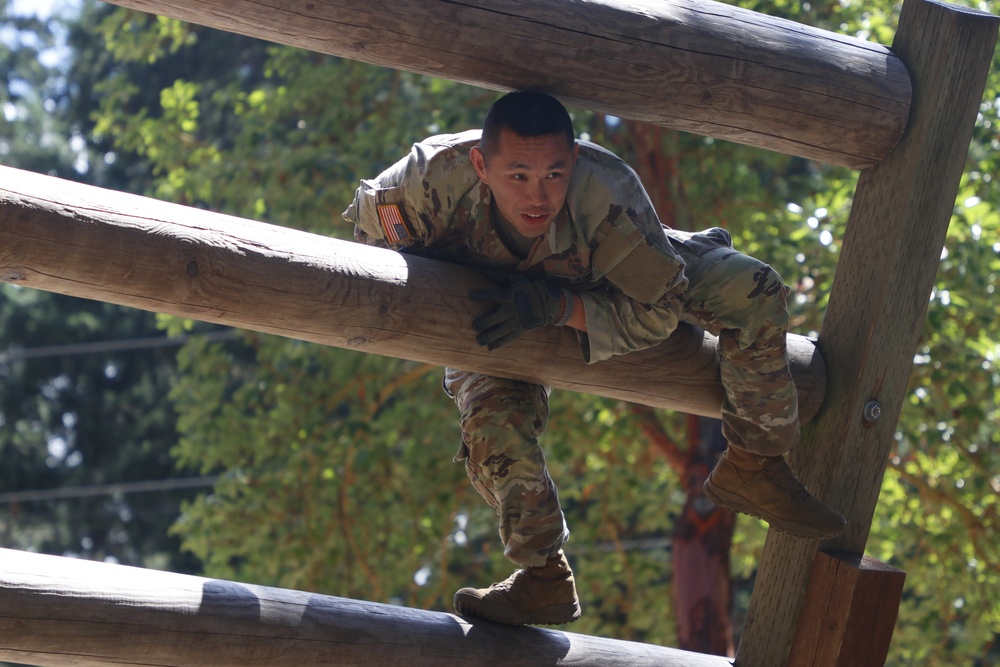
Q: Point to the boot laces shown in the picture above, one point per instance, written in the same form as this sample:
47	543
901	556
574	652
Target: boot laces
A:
506	584
781	475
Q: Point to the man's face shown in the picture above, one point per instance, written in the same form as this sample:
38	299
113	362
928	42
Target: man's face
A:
529	178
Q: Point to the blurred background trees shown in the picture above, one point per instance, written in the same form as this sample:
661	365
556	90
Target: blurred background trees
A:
331	470
83	384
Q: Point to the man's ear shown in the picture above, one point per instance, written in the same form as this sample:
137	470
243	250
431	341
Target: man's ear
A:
478	163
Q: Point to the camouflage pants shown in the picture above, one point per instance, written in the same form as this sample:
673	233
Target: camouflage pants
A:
736	297
501	420
743	302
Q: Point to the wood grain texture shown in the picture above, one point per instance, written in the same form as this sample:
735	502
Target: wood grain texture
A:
878	303
848	614
61	612
99	244
693	65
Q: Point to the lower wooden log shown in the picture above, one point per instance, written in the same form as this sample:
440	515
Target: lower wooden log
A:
58	611
89	242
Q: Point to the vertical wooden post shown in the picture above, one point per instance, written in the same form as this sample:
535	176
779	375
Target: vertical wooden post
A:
848	614
890	255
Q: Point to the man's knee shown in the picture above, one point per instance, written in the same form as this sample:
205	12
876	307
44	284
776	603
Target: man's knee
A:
499	404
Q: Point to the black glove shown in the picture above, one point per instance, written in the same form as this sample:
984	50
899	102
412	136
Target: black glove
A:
522	304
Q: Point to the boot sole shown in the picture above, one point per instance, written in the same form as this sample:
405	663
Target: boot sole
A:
737	503
555	615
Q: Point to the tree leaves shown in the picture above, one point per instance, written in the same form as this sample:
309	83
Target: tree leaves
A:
336	472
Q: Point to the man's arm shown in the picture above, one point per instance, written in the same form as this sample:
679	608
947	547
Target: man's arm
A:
617	324
400	208
577	319
640	273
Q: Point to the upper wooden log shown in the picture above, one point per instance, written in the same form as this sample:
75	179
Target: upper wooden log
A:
693	65
62	612
99	244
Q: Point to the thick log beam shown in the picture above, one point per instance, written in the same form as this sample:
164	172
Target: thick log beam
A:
693	65
88	242
62	612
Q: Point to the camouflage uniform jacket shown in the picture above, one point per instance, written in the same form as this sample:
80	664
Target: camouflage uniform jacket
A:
606	244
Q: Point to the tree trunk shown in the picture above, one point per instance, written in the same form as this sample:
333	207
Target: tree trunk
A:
703	532
702	539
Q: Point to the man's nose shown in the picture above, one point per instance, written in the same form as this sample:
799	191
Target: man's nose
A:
539	195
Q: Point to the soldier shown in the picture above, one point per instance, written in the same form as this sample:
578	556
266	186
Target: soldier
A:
569	234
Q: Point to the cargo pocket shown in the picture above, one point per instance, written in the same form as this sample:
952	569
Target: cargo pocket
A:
640	268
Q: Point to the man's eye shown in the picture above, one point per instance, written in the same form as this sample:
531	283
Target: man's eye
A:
518	177
555	175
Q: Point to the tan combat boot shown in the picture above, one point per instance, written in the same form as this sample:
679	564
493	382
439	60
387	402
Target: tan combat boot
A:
533	596
764	487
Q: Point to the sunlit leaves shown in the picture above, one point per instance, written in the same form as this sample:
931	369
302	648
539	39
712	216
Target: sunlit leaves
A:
336	468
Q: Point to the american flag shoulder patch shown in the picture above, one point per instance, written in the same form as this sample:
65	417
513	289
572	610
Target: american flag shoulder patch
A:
394	225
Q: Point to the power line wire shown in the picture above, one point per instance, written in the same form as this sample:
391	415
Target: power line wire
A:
18	354
69	492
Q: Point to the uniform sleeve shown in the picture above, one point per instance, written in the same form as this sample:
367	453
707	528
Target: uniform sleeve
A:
381	212
641	276
413	202
618	324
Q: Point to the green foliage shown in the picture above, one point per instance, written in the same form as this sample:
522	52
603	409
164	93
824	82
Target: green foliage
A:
336	466
620	500
939	503
30	136
321	459
938	512
336	471
72	415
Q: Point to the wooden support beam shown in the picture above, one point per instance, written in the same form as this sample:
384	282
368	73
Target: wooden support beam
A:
99	244
693	65
848	614
878	303
61	612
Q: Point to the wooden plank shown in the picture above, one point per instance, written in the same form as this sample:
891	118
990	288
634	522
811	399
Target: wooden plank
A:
693	65
890	255
98	244
57	612
848	614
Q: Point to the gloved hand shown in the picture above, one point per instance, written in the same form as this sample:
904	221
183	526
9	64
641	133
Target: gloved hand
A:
522	304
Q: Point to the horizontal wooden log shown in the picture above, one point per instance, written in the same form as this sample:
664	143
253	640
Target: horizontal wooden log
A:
693	65
99	244
58	612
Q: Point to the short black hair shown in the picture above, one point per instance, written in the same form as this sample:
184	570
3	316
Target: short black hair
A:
526	113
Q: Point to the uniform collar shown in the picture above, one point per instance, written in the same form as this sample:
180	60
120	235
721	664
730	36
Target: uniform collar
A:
484	240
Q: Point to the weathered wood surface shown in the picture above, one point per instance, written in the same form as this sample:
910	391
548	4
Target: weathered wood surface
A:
693	65
849	612
99	244
878	304
58	612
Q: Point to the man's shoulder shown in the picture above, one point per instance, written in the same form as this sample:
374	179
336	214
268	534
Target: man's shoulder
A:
443	146
591	151
601	178
468	138
444	156
597	160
